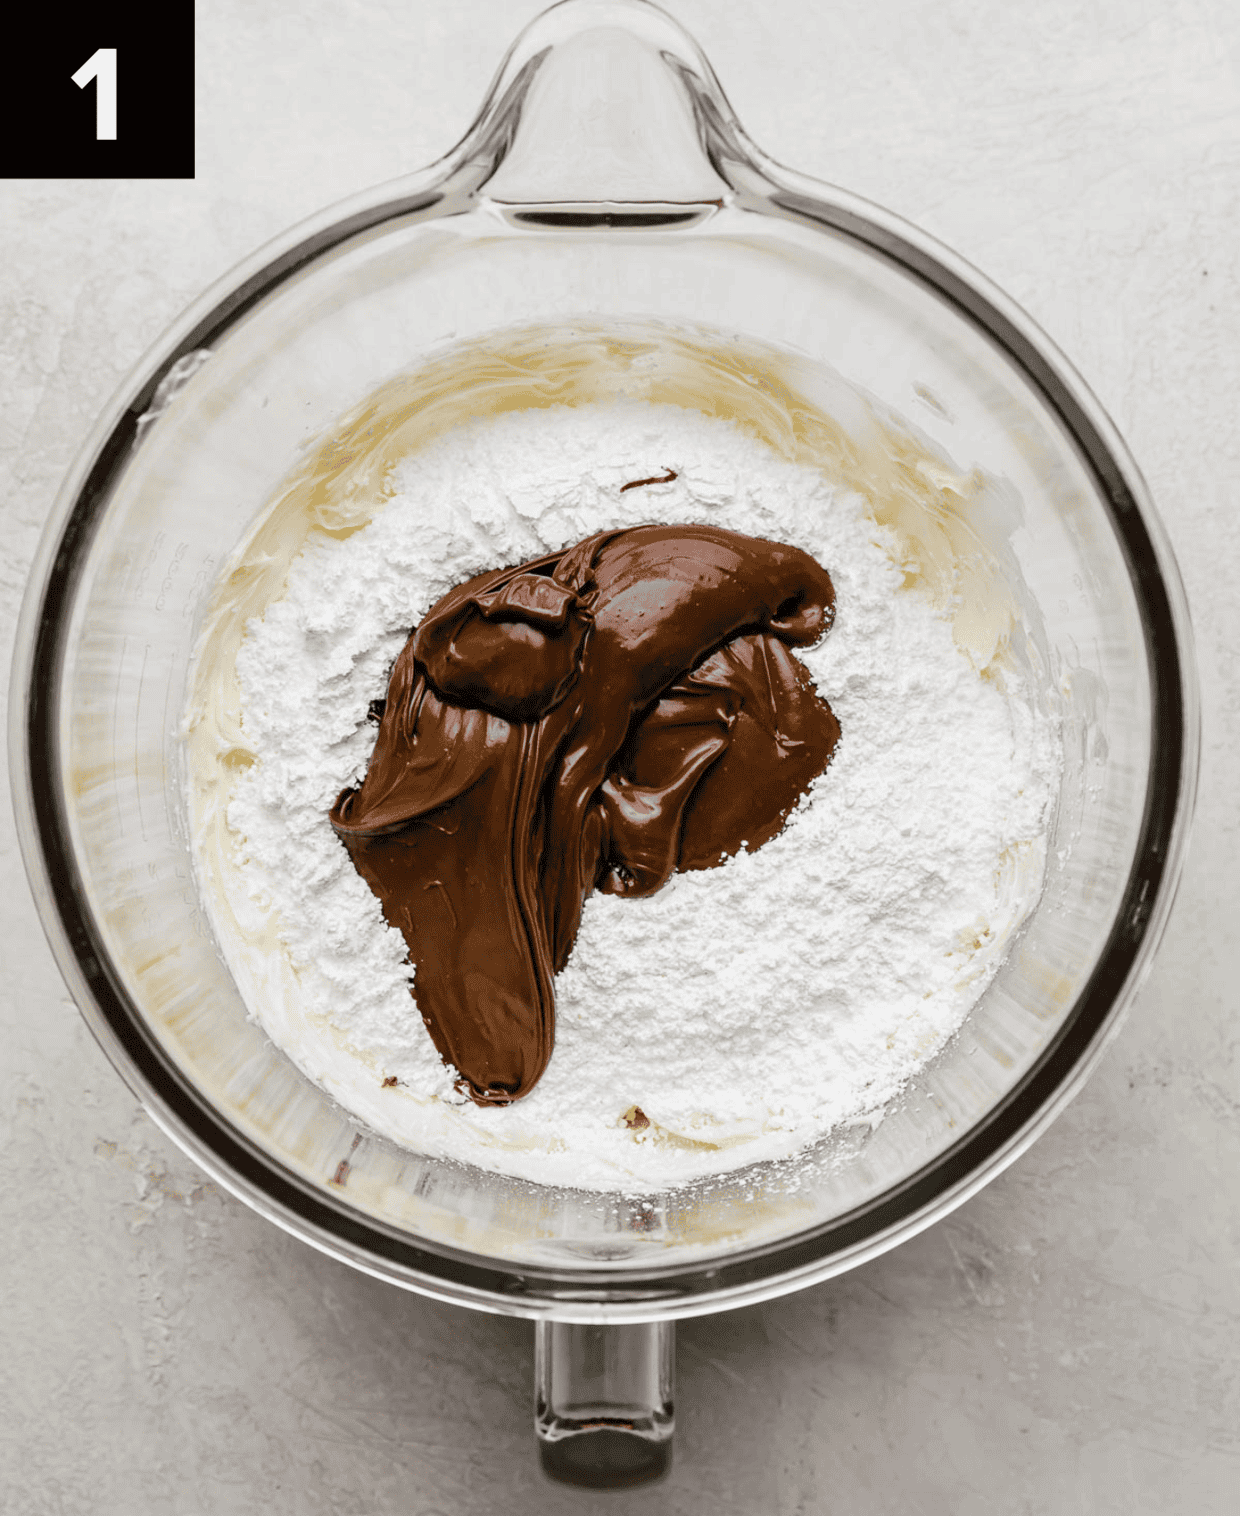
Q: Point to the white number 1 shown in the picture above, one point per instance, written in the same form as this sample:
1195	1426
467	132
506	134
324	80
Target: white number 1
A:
101	67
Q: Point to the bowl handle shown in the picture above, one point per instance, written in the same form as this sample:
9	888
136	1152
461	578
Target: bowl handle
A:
603	1401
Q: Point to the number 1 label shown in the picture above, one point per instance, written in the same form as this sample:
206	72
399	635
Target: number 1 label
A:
101	67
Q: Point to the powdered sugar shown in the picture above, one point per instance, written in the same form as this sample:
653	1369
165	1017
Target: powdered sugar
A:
745	1009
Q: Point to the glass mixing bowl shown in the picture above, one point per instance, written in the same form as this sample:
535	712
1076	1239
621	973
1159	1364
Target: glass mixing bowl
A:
605	187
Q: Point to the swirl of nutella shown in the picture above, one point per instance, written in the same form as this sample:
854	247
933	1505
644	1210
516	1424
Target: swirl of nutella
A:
593	719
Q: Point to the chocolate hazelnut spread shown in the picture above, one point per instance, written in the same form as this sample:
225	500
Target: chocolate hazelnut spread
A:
592	719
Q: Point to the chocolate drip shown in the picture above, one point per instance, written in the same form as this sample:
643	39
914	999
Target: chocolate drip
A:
637	484
593	719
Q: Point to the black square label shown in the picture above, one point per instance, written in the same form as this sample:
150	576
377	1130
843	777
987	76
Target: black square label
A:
102	93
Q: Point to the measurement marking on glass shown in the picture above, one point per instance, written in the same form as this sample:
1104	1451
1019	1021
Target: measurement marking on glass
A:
101	67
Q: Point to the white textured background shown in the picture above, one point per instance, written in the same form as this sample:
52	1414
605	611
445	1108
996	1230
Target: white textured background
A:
1067	1342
